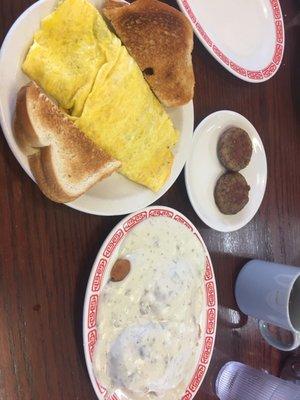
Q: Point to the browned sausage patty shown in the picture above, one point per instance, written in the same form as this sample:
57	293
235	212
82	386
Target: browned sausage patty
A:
231	193
234	149
120	270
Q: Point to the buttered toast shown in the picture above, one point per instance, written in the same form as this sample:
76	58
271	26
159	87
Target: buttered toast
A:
160	39
64	162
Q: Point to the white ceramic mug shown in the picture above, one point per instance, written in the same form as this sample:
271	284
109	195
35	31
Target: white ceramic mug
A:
271	293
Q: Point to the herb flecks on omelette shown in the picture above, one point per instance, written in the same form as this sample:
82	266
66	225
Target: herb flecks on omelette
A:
78	61
69	48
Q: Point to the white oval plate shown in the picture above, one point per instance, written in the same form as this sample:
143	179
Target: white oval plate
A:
203	169
99	275
115	195
245	36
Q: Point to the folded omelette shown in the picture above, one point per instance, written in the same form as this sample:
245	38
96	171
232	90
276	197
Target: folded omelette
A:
78	61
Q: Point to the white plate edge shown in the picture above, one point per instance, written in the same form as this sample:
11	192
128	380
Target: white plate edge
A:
227	67
90	281
186	172
11	142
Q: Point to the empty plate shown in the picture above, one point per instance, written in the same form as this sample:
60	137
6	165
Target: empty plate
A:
246	37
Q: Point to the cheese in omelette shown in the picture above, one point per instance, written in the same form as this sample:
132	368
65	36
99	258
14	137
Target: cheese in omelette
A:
78	61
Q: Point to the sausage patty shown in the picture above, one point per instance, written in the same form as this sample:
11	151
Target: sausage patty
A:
231	193
234	149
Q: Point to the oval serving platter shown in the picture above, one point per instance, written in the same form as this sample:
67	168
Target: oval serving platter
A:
246	37
99	275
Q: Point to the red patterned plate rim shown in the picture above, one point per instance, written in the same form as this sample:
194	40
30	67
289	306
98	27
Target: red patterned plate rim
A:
255	76
91	302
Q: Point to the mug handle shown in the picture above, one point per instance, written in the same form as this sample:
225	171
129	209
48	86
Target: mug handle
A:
266	334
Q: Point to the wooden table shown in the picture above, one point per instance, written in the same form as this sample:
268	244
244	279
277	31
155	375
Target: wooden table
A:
47	250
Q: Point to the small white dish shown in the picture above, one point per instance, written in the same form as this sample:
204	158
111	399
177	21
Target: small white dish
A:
115	195
203	169
100	274
246	37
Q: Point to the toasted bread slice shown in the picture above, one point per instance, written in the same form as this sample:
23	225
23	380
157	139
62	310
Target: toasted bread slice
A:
160	39
64	162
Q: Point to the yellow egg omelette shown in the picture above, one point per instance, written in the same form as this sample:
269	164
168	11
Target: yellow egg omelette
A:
78	61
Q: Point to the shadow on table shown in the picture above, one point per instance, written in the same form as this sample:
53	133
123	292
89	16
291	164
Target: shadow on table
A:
230	319
227	268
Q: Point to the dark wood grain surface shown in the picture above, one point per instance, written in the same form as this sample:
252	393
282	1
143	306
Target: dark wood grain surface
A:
47	250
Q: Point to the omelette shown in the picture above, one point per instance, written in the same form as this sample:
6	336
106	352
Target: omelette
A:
78	61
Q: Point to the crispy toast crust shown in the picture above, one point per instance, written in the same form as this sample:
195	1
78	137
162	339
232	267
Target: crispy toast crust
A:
160	39
64	162
25	135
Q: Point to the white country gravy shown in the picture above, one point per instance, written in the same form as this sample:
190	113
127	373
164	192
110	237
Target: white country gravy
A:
149	323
